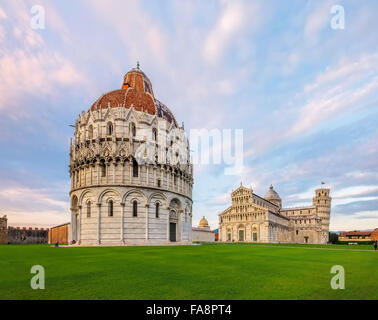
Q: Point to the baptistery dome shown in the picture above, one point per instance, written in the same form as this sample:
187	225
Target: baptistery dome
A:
130	168
136	91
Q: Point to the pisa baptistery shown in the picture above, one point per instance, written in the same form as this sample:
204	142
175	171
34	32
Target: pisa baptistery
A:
130	168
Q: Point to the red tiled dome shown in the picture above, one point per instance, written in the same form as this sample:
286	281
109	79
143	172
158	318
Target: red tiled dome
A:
136	91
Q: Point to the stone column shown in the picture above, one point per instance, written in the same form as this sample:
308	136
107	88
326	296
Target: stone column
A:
147	207
180	225
98	173
73	224
168	212
122	221
130	172
79	226
98	223
139	174
123	172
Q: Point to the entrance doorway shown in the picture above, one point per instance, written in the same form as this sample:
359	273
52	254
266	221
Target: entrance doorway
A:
241	235
306	239
172	232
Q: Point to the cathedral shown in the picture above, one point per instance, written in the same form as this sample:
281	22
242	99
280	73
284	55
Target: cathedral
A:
251	218
130	169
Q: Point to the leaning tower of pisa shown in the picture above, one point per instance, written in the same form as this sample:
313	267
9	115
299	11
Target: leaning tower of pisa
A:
322	202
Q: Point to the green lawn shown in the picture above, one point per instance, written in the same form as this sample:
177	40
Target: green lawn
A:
221	271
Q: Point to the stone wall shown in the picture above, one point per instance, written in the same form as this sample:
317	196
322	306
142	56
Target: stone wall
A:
27	235
200	235
374	235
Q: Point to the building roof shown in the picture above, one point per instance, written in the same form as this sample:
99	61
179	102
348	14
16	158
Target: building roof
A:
304	217
136	92
60	225
202	229
272	194
355	233
298	208
203	223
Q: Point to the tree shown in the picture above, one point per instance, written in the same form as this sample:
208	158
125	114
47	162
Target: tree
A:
333	237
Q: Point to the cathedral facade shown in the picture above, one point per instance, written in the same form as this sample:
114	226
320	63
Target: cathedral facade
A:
252	218
131	175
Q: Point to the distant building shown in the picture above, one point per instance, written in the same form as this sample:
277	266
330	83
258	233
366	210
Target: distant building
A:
59	234
374	235
358	236
202	233
252	218
3	230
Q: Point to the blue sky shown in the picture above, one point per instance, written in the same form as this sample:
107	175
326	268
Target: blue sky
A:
304	94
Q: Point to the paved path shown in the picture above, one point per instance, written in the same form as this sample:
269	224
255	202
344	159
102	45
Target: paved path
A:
291	247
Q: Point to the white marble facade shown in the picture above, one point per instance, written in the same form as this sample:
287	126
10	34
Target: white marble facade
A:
251	218
119	196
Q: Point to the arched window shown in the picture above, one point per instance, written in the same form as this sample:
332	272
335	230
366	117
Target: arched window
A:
103	170
88	209
109	129
154	134
157	206
110	208
135	168
90	132
135	208
133	129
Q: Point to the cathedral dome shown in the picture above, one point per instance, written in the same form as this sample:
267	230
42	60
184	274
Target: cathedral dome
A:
136	92
203	223
272	194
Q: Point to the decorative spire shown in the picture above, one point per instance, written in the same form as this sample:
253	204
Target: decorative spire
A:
138	65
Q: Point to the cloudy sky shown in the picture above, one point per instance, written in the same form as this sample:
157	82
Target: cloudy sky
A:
305	95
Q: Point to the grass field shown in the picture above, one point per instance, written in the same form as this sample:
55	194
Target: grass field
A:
221	271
